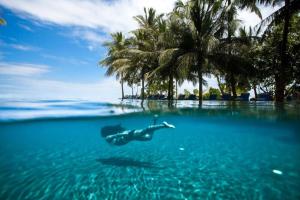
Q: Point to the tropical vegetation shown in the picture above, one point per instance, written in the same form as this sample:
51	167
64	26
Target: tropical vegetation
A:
203	38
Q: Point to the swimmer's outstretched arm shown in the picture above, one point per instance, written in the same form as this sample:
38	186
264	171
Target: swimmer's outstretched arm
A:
150	129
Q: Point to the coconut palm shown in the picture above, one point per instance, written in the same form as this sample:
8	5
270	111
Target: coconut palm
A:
200	37
143	52
230	27
116	63
174	41
239	68
267	57
204	18
282	15
231	60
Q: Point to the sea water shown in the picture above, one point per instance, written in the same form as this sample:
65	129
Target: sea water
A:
54	150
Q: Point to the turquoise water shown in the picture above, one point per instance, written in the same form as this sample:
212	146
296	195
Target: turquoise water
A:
53	150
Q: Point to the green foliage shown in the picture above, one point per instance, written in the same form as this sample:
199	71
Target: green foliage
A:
214	91
186	93
206	96
196	92
267	60
157	87
204	37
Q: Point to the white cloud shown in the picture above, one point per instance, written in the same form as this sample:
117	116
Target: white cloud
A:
23	47
70	60
104	90
87	16
94	39
110	16
30	81
26	27
17	46
90	36
22	69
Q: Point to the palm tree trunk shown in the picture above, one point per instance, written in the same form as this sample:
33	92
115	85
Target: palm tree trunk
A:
122	86
232	85
200	84
279	87
280	79
170	88
148	88
219	84
230	17
143	88
255	91
176	90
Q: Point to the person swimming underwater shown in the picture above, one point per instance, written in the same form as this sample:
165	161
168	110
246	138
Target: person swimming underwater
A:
117	135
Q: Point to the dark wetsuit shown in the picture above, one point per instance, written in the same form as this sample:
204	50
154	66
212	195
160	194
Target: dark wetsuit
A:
138	135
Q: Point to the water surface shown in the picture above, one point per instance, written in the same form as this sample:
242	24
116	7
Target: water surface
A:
221	151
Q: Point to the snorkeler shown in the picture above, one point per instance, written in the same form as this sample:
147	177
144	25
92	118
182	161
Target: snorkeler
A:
117	135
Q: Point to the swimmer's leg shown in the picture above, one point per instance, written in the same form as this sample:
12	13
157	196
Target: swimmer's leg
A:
168	125
159	126
151	129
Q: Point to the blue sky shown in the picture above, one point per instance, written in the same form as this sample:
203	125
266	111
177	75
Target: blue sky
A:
50	49
23	41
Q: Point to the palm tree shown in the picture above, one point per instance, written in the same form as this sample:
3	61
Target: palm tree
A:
131	77
205	19
115	62
196	39
231	25
250	42
143	52
238	68
282	15
175	40
142	56
267	57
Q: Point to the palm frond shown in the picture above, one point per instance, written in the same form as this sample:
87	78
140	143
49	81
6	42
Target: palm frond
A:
277	17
